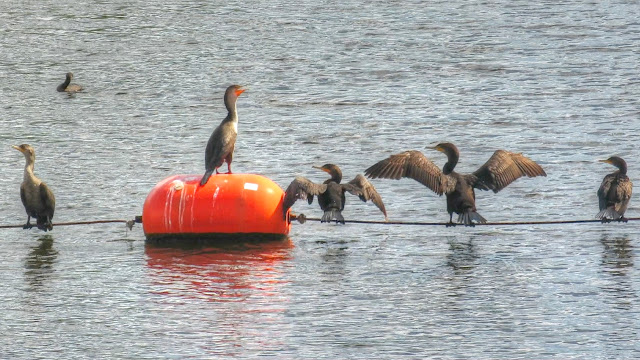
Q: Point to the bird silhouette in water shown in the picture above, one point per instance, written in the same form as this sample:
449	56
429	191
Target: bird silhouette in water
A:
223	139
502	168
37	198
331	193
67	86
614	192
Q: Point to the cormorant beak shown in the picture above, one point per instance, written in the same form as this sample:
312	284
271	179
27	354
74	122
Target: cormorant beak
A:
17	148
605	161
240	91
438	148
320	168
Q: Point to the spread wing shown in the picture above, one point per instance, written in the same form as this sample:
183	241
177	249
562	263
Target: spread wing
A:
361	187
301	188
503	168
412	164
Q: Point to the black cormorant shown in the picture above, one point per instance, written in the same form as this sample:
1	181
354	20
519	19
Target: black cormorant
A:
37	198
331	193
614	192
500	170
223	140
67	86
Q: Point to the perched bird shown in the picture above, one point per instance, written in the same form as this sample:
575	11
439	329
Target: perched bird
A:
500	170
331	193
67	86
37	198
223	140
614	192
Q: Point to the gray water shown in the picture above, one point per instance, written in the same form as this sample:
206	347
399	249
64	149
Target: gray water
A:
345	82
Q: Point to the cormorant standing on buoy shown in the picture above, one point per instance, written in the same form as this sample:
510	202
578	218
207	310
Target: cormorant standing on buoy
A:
37	198
499	171
223	140
614	192
66	86
331	193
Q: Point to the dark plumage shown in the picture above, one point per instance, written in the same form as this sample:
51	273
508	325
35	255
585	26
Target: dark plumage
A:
223	140
37	199
499	171
331	193
614	192
66	86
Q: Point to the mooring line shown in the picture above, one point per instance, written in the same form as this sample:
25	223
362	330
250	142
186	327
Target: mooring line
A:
302	218
129	223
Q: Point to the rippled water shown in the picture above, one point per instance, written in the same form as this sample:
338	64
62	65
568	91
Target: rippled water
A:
345	82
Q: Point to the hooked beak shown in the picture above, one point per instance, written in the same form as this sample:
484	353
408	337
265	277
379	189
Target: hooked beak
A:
17	148
320	168
240	91
605	161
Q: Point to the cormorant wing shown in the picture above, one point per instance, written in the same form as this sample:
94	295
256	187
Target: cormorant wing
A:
503	168
301	188
412	164
23	196
604	190
47	198
220	143
361	187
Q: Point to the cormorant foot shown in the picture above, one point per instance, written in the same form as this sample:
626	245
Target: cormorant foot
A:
27	226
623	219
605	220
450	224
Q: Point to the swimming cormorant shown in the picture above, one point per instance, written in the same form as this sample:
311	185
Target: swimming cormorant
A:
331	193
614	192
500	170
223	140
37	198
66	86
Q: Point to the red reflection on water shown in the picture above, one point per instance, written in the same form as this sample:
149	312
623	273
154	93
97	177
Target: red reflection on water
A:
229	273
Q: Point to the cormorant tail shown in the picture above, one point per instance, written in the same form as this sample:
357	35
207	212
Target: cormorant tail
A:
609	214
468	217
332	214
205	178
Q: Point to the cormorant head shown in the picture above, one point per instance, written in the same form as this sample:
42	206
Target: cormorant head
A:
28	152
333	170
452	156
617	162
69	76
231	95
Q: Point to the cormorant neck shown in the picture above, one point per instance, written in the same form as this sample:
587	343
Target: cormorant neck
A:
451	164
64	85
336	175
232	114
28	171
623	168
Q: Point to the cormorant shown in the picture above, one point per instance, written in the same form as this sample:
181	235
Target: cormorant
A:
331	193
66	86
500	170
37	198
223	140
614	192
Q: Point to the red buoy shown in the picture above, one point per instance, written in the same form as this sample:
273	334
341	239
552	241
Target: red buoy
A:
228	206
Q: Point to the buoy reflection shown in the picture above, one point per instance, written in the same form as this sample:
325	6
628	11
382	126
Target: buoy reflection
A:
226	273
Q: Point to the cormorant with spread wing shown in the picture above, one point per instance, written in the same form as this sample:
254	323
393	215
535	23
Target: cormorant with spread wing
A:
500	170
331	193
614	192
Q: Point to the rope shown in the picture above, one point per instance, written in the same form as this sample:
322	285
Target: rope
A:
302	218
129	223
